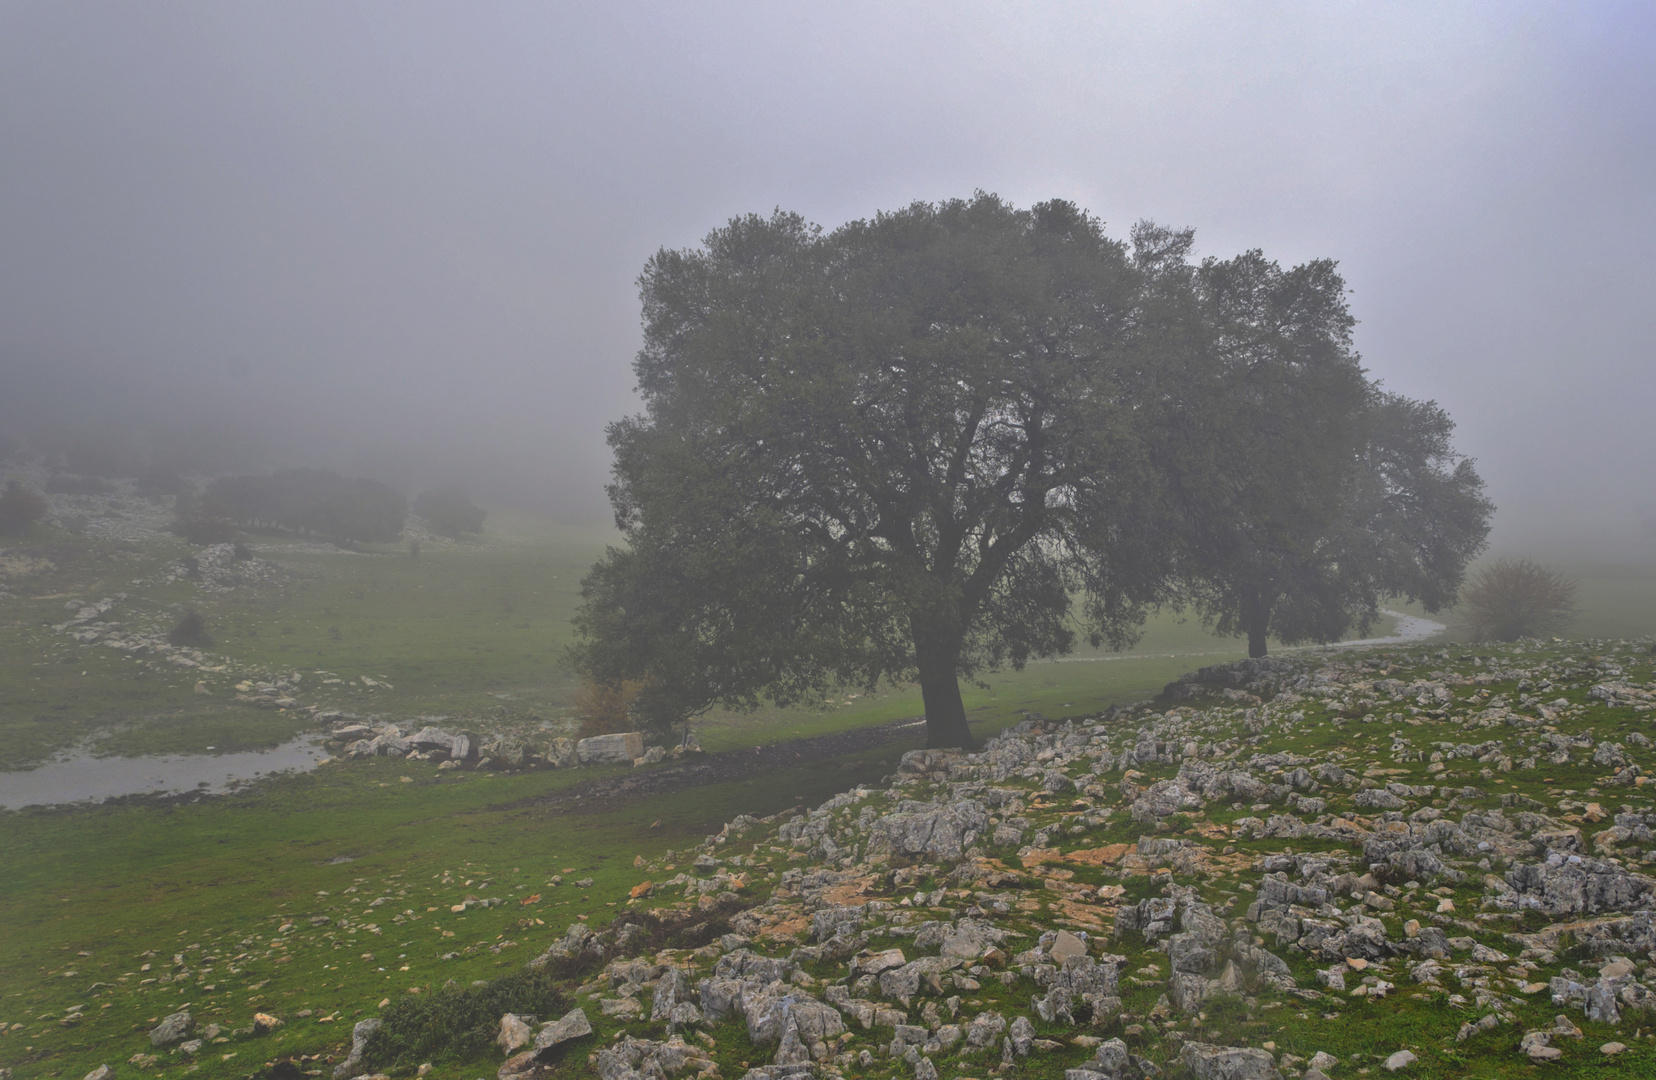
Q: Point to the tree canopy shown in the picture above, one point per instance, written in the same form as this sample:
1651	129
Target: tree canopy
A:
947	438
1308	493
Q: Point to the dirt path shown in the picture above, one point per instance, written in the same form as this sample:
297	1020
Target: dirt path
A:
605	794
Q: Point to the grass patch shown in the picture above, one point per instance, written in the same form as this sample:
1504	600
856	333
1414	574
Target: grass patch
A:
457	1023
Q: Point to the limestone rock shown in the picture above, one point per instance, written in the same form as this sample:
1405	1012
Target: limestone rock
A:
360	1034
572	1025
514	1033
622	747
171	1029
1402	1059
1208	1062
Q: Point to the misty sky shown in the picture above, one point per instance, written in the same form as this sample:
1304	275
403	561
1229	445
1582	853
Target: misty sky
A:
402	239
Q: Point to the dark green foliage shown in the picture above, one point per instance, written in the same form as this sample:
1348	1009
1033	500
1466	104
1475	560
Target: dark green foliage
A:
457	1023
1308	493
190	631
20	508
309	501
448	512
899	450
912	448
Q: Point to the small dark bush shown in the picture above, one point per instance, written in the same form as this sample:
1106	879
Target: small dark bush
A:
191	632
457	1023
20	508
65	484
241	552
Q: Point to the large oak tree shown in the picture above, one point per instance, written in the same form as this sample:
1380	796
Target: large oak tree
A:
953	436
904	449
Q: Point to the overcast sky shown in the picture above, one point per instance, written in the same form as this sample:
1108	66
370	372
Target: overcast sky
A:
403	238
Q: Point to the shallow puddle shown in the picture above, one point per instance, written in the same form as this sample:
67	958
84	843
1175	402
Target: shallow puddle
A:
83	778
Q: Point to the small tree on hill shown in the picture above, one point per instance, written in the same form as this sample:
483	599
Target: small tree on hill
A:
20	508
1515	598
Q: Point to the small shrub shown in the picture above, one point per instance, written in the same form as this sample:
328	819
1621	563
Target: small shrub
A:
190	632
241	552
457	1023
20	508
603	710
1516	598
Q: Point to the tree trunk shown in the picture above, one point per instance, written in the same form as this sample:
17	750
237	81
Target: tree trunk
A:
940	690
1256	619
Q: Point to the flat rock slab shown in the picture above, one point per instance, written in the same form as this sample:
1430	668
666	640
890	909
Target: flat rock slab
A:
572	1025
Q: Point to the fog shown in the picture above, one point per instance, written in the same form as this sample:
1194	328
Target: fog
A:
401	240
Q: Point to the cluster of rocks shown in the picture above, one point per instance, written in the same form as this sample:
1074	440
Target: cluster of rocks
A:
1305	836
507	751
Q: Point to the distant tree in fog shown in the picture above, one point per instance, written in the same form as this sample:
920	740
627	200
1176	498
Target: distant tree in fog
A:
448	512
1309	494
1516	598
312	501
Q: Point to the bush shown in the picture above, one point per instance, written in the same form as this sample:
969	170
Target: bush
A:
457	1023
1515	598
20	508
603	710
191	632
449	513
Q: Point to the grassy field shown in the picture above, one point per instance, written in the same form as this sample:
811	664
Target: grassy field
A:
131	910
464	630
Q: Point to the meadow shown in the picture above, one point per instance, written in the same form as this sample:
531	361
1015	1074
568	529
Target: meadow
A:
317	896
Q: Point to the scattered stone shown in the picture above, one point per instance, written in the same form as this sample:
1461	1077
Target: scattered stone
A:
1402	1059
1208	1062
171	1029
1065	946
515	1033
359	1041
572	1025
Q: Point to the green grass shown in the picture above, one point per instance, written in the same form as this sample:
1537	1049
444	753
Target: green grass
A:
467	631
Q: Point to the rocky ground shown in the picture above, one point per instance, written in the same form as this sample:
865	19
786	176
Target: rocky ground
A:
1444	847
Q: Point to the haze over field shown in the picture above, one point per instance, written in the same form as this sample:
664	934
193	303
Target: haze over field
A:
402	241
